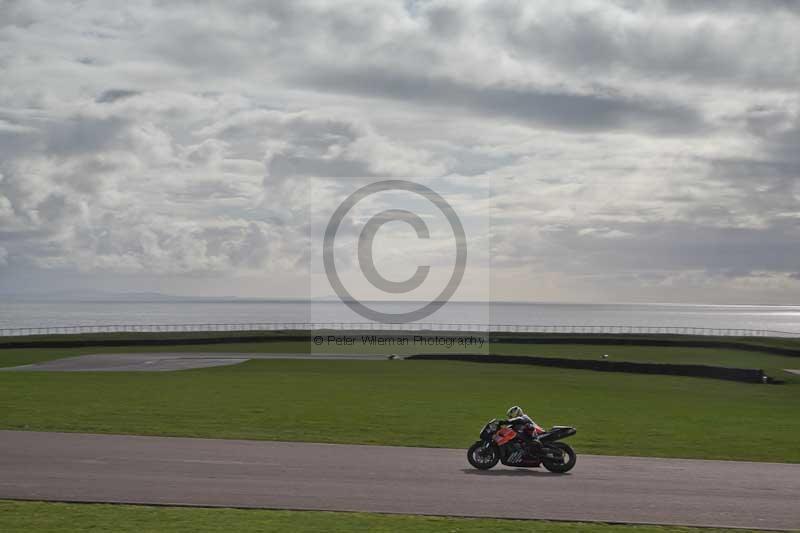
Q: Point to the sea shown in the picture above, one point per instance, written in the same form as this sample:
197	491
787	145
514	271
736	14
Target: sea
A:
38	314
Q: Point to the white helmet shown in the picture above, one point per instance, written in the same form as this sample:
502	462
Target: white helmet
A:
515	412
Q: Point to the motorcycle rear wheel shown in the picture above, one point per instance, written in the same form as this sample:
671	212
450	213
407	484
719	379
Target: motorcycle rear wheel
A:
482	458
567	464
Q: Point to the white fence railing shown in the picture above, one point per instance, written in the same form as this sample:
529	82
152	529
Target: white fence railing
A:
375	326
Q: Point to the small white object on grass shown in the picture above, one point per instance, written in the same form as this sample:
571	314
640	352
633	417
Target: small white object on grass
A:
605	356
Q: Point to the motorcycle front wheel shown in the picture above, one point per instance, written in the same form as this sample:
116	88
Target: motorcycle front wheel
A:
482	457
567	461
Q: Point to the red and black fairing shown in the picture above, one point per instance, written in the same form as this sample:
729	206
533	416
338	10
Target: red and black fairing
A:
557	433
513	449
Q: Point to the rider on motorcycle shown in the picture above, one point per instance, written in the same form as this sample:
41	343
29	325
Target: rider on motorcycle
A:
526	428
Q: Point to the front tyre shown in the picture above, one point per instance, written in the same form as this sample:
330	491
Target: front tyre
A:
482	457
567	461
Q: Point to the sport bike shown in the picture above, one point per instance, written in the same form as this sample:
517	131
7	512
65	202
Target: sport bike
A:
500	443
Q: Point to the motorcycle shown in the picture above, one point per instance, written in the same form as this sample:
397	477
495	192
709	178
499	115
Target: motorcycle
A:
500	443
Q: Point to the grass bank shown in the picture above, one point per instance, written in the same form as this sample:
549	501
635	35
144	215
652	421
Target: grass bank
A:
44	517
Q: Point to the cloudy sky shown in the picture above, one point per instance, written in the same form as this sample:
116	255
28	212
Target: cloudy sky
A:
631	151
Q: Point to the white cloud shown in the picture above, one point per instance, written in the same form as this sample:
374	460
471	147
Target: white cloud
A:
627	144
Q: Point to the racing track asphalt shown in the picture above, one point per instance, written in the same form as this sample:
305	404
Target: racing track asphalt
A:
209	472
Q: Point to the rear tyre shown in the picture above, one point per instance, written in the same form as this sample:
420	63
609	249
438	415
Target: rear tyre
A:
566	463
481	457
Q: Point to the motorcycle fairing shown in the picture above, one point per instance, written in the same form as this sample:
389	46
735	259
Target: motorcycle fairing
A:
504	435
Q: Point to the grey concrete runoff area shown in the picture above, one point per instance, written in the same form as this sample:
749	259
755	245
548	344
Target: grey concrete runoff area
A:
164	362
77	467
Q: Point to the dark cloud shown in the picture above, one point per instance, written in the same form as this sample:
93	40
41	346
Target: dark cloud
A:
718	7
664	247
112	95
84	134
724	42
21	13
558	110
767	184
755	172
17	141
283	166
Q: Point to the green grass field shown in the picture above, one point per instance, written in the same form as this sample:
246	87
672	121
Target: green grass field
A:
772	364
414	403
61	517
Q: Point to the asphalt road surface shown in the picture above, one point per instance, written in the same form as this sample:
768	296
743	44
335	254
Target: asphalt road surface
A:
209	472
165	362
